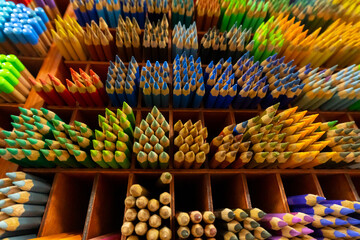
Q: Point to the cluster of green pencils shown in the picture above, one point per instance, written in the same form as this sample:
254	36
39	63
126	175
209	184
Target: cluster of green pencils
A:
147	214
122	83
128	39
328	91
111	147
156	40
14	80
215	45
190	141
250	14
182	11
154	84
23	200
184	40
207	14
188	82
286	140
333	219
151	142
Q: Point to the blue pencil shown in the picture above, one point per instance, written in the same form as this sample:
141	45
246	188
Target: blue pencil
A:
164	95
212	96
147	95
185	96
231	95
251	96
119	89
177	95
240	98
222	96
130	94
199	96
110	90
156	95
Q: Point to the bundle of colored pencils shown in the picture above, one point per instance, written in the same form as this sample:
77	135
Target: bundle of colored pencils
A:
249	14
182	11
327	91
263	83
156	9
151	144
24	198
112	145
195	224
86	90
122	84
156	40
234	43
74	43
128	39
147	213
25	31
49	6
14	80
286	140
110	11
184	40
191	144
188	82
207	14
333	219
288	225
154	83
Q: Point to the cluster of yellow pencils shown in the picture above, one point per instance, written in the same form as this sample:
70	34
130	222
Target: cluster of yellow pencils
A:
75	43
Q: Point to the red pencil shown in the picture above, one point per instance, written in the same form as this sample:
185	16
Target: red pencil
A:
74	90
85	95
99	86
39	89
84	75
49	90
94	94
75	75
62	91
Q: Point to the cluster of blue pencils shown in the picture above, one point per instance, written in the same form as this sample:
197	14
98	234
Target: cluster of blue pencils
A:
86	11
122	83
189	88
265	83
154	84
184	40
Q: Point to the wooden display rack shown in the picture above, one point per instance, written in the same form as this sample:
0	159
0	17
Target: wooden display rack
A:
91	201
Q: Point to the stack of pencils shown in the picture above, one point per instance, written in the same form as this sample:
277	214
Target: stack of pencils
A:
157	9
110	11
24	198
156	40
190	141
48	5
182	11
145	216
112	145
207	14
234	43
285	140
184	40
333	219
250	14
188	82
264	83
128	39
195	224
85	90
75	43
327	91
14	80
24	31
151	142
288	225
154	83
122	83
240	224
